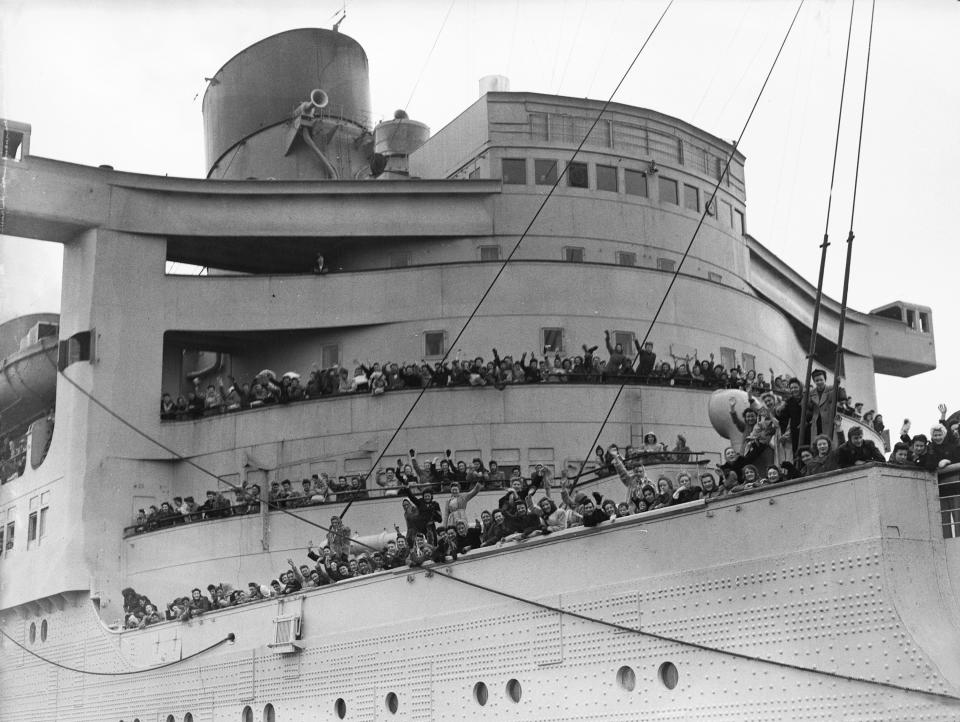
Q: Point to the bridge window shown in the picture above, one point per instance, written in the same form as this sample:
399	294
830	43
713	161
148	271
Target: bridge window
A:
514	171
665	264
577	175
739	223
545	172
16	140
668	191
635	182
329	355
607	178
924	322
691	197
625	339
573	254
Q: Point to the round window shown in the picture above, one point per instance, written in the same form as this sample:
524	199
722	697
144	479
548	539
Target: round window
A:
514	691
392	703
668	675
627	678
43	631
340	707
480	693
33	632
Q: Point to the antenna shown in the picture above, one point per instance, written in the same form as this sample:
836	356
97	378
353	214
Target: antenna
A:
343	14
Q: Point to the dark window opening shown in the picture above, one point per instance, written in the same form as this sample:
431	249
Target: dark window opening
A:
665	264
12	144
552	340
635	182
577	175
489	253
514	171
626	258
691	198
573	254
924	322
607	178
668	191
433	342
545	172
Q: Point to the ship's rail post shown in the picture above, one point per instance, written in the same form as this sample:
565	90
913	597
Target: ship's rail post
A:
949	493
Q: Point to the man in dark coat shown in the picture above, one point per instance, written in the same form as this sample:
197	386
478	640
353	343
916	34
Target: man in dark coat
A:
856	450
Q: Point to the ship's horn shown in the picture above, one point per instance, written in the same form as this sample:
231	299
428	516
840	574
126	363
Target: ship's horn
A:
319	98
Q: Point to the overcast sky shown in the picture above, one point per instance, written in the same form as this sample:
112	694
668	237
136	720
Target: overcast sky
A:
121	82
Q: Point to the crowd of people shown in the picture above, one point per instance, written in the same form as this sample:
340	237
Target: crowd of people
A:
441	533
436	475
621	366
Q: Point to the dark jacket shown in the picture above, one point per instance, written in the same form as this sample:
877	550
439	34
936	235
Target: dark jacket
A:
849	455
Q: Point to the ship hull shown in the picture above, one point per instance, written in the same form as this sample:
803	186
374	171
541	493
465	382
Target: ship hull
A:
763	611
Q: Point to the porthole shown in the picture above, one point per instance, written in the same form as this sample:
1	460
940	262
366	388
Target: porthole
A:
171	718
43	631
627	678
392	703
340	707
33	632
188	717
268	714
668	675
246	715
480	693
514	690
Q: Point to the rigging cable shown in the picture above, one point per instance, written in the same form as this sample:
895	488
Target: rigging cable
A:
703	215
229	638
838	363
693	645
430	54
523	235
812	346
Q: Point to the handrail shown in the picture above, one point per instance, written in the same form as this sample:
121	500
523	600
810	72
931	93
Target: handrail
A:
248	507
685	383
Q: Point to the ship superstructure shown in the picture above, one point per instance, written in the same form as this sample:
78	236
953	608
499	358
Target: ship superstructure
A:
411	229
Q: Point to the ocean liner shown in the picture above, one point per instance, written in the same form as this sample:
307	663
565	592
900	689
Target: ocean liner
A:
326	241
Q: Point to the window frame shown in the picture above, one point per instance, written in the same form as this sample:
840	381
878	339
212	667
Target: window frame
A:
621	255
426	343
573	170
627	343
504	174
635	174
669	183
489	247
543	340
741	221
571	250
548	180
666	264
686	197
324	348
599	169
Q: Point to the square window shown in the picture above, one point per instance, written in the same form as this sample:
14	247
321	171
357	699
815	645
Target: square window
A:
399	260
545	172
489	253
573	254
749	362
434	343
728	357
577	175
668	191
514	171
539	126
607	178
329	355
625	339
715	277
911	318
635	182
43	522
32	522
924	322
552	340
691	197
9	544
665	264
626	258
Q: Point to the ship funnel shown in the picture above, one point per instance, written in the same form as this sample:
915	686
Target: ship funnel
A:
319	98
494	84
